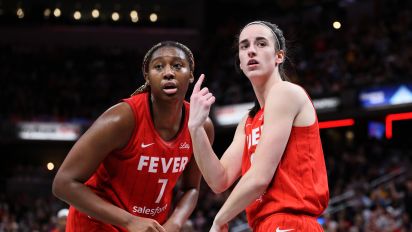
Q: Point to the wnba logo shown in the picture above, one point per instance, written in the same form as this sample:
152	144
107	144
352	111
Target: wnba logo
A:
184	145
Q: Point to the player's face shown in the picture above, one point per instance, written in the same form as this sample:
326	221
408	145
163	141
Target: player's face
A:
169	73
257	53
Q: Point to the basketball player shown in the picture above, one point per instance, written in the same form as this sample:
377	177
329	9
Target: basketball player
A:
276	148
120	175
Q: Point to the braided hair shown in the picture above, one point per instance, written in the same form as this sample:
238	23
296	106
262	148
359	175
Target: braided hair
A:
148	57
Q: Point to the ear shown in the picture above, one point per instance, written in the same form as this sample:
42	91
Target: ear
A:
280	56
240	65
146	77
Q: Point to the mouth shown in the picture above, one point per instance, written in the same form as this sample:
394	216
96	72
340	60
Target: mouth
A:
170	88
252	62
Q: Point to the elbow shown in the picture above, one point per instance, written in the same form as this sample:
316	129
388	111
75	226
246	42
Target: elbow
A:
218	187
260	184
58	186
217	190
219	181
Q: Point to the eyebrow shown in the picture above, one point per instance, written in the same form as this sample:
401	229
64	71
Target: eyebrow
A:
257	39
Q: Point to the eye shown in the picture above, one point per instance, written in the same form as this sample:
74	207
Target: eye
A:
261	43
158	67
177	66
243	46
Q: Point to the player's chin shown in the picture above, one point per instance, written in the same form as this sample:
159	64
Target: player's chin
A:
179	95
256	74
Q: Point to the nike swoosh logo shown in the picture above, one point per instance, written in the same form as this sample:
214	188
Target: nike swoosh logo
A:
146	145
286	230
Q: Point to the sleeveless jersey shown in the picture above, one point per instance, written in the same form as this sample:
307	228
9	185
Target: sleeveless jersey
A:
299	185
140	178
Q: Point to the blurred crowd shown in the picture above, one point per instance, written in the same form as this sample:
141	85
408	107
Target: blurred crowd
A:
26	202
370	182
63	84
370	49
78	83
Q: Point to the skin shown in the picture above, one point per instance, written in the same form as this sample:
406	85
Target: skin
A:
285	104
112	131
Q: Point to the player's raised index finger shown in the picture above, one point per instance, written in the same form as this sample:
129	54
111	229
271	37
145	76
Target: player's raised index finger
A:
198	84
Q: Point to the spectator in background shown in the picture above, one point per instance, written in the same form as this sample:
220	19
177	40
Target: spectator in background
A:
61	220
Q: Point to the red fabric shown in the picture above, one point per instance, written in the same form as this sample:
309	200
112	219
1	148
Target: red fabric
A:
148	167
80	222
288	222
299	185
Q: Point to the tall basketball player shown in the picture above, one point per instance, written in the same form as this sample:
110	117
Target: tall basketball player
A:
276	149
120	175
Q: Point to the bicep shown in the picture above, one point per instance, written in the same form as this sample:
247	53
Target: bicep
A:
109	132
279	117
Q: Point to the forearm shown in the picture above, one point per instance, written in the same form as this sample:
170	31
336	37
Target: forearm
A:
184	208
86	201
207	161
246	191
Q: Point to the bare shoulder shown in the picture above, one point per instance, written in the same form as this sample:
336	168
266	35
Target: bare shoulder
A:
287	91
295	98
120	114
115	124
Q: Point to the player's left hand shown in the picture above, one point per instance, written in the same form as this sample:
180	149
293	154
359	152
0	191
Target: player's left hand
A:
219	228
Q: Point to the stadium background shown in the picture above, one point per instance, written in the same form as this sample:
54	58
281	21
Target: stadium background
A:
62	63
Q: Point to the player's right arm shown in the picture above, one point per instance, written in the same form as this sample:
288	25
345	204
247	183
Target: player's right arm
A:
218	174
111	131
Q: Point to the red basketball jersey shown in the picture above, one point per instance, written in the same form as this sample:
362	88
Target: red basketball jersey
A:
140	178
299	185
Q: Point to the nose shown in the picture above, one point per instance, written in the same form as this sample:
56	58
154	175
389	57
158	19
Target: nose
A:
251	51
168	73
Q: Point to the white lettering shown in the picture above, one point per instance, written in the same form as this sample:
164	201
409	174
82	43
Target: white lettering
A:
184	145
166	166
148	211
183	164
255	136
176	164
142	162
154	162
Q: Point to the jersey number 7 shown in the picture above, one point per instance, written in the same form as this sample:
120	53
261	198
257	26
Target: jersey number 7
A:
162	189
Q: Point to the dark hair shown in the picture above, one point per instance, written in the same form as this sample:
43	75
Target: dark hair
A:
146	87
280	44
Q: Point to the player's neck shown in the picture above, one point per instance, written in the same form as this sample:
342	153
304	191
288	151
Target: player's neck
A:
167	118
262	89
